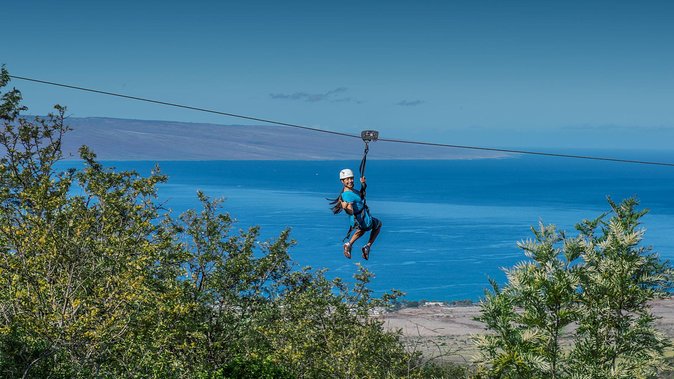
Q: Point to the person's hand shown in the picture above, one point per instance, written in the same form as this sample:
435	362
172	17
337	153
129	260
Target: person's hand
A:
362	179
347	207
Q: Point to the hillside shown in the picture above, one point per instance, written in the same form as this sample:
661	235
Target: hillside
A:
120	139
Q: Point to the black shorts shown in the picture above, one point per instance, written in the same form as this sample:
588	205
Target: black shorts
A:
374	225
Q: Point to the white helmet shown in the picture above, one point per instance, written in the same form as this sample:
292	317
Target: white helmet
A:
346	173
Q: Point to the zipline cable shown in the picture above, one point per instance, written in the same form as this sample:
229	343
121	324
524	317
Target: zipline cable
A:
401	141
528	152
184	106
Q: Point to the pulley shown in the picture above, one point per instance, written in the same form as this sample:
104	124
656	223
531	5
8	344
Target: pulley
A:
369	135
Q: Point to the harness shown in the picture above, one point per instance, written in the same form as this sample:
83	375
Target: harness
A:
367	136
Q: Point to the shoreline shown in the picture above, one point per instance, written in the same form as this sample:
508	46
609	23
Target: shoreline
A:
444	332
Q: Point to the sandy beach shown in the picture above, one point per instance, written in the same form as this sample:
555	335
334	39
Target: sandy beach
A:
445	332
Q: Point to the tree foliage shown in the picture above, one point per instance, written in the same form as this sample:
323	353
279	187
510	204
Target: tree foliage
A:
98	280
579	307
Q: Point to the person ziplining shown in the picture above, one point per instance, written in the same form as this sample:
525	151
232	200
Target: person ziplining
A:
353	202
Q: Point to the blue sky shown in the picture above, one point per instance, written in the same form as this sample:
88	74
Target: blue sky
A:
514	74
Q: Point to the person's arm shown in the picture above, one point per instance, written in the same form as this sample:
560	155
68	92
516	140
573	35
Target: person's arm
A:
348	198
348	207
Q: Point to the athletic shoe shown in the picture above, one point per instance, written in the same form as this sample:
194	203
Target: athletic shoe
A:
347	250
366	251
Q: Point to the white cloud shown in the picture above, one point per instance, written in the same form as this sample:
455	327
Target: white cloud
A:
330	96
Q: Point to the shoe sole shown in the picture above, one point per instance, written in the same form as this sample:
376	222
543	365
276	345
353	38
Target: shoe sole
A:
347	252
366	254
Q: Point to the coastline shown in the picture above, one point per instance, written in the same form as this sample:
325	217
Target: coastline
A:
444	332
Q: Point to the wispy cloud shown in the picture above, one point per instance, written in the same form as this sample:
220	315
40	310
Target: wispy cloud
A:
330	96
410	103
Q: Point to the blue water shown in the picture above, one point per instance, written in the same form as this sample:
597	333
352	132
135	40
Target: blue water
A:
448	225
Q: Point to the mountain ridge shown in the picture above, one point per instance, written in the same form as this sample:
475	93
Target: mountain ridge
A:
129	139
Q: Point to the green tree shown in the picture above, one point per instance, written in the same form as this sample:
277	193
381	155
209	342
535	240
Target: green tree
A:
77	270
90	277
591	291
531	313
257	312
327	330
616	336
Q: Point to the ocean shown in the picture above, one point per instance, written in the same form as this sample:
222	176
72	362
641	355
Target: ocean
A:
448	226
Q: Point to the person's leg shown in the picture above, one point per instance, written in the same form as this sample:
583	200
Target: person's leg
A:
375	232
359	233
373	236
347	246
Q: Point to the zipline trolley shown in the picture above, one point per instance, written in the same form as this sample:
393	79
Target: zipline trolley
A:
367	136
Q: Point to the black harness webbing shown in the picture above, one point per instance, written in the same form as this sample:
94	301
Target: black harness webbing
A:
361	170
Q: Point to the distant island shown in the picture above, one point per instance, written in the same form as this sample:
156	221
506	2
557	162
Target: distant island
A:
122	139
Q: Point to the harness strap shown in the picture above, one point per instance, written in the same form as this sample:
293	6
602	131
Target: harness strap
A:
348	234
351	227
363	162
